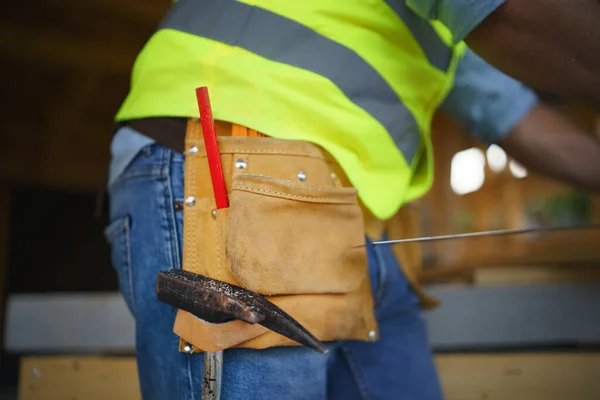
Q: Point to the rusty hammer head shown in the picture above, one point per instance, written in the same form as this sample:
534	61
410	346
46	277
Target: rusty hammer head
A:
219	302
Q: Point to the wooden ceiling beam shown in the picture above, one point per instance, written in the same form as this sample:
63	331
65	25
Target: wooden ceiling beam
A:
55	49
60	164
147	11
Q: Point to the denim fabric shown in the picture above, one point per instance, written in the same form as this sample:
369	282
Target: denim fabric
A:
145	233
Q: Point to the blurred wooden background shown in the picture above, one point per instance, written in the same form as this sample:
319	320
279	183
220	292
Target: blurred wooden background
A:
506	200
67	66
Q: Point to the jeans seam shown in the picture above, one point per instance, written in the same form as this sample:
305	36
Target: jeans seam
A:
174	240
129	268
360	380
164	207
381	276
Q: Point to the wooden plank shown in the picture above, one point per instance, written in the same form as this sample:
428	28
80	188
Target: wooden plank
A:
76	162
73	323
514	316
535	275
520	376
62	50
89	378
542	376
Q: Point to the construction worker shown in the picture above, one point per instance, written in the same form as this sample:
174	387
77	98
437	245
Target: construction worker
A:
346	91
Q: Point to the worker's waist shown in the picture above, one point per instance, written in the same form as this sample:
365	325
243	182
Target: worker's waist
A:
171	132
243	148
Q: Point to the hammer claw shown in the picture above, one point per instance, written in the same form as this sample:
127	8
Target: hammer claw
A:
219	302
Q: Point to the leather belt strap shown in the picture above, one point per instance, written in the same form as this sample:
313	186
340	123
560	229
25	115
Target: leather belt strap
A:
170	132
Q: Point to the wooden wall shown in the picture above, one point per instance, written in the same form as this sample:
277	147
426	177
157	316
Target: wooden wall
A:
463	377
503	202
67	68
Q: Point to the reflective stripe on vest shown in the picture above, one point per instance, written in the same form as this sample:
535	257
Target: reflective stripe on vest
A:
280	39
433	46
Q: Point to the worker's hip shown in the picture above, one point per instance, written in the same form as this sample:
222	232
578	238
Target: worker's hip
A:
146	234
146	225
290	232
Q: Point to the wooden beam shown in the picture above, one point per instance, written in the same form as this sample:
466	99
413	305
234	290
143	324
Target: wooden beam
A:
53	48
463	377
521	316
146	12
536	275
90	378
520	376
70	164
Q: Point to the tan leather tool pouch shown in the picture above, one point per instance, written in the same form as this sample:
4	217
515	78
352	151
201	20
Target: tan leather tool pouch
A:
289	233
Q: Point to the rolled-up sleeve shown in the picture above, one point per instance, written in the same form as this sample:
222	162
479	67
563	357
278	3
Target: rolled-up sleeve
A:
459	16
488	102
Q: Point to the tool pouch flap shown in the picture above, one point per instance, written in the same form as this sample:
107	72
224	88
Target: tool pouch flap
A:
286	237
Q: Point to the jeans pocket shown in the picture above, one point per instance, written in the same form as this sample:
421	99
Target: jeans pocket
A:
118	236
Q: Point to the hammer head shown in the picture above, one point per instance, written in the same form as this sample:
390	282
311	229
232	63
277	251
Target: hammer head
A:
219	302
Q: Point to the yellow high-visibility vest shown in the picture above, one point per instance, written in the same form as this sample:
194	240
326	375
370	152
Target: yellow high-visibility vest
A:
360	78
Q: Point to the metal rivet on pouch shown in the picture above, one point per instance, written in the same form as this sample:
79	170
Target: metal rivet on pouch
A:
190	201
372	336
36	373
241	164
188	348
302	176
193	150
333	176
214	213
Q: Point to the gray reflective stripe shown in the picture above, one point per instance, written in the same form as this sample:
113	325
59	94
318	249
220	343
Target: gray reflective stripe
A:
283	40
436	51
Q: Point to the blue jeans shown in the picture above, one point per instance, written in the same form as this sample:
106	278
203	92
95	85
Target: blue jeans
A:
145	234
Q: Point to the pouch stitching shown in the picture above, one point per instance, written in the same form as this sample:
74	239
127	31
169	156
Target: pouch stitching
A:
218	245
271	180
191	248
265	151
293	196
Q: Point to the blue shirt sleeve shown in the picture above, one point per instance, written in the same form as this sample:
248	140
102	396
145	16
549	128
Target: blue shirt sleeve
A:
459	16
488	102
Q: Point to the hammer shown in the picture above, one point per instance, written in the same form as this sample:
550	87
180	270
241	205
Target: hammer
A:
219	302
215	301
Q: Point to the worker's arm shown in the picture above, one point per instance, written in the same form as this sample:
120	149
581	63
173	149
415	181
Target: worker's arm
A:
497	109
547	142
548	44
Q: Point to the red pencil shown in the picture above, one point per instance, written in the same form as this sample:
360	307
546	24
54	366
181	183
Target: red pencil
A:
212	149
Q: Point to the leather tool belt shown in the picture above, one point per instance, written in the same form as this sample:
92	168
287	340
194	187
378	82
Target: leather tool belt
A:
289	234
